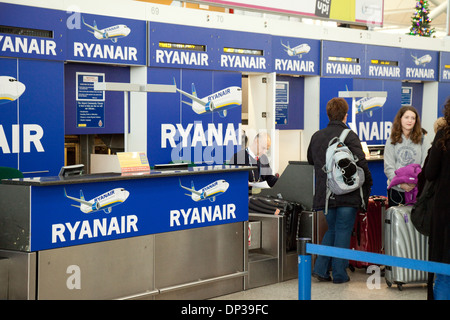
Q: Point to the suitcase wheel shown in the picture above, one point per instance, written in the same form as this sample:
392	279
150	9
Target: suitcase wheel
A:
399	285
389	283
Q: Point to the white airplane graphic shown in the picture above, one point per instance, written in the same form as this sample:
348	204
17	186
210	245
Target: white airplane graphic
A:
422	60
209	192
369	104
111	33
297	50
219	101
10	89
103	202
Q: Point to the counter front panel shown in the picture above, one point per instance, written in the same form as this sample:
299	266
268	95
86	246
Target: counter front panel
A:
61	215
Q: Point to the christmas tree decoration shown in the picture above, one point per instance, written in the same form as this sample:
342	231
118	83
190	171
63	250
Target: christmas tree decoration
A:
421	21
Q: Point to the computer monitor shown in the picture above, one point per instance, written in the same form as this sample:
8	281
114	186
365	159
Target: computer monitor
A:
73	170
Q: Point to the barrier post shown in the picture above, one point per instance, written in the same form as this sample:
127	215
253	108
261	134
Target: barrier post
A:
304	270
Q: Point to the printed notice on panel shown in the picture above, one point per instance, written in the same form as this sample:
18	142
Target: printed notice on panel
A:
90	102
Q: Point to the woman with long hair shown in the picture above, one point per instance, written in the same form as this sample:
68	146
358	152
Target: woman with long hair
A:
405	146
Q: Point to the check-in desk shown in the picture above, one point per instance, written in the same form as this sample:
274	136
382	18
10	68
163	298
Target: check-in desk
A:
269	260
115	236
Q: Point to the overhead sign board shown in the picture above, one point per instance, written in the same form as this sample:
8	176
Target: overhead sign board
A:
384	62
106	39
244	51
444	67
177	46
296	56
422	65
341	59
28	32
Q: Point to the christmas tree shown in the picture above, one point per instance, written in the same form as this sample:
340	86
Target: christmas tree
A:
421	21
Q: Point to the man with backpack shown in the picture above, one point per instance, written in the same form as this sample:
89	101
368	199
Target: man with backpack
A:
338	163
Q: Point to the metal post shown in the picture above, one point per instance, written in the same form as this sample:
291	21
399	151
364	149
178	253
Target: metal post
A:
304	270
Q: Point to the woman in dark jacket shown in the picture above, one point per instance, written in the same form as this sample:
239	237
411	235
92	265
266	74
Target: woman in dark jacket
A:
438	169
341	208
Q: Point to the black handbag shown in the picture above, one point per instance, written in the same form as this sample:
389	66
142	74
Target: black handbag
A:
422	210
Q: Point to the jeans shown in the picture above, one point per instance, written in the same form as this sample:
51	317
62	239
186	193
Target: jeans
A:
441	289
340	222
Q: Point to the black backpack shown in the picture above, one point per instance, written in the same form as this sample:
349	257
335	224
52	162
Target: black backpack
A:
421	211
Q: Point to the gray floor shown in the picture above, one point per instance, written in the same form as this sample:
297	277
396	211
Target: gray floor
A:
356	289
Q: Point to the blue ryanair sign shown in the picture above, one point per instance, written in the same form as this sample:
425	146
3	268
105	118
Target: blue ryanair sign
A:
244	51
107	39
444	68
34	33
179	46
384	62
296	56
344	60
421	65
126	208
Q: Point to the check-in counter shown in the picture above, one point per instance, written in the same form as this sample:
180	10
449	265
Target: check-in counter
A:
177	234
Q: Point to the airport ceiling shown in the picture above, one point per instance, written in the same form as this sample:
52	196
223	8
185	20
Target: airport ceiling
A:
398	13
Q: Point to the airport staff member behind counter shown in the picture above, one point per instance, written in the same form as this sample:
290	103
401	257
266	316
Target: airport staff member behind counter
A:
255	155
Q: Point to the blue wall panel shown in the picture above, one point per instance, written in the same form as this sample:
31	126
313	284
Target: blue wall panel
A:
374	127
176	132
444	94
32	135
295	108
43	105
10	113
329	88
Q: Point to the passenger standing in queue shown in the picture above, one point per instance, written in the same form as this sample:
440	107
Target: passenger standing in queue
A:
404	146
255	155
438	169
341	208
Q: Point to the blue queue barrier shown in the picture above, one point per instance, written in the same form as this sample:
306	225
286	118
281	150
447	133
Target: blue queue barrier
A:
304	270
306	248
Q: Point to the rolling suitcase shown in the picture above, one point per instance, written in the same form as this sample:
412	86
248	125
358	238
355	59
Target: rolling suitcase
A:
403	240
367	231
289	209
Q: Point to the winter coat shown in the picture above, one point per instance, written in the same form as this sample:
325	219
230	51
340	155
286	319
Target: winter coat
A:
316	156
438	169
407	174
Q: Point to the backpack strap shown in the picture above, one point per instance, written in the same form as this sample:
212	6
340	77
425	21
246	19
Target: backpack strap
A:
342	138
343	135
